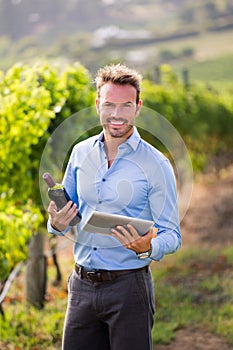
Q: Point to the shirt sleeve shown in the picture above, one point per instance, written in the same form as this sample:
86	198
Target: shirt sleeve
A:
51	230
164	208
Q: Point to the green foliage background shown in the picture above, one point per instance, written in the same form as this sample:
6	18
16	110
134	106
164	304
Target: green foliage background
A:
203	116
33	101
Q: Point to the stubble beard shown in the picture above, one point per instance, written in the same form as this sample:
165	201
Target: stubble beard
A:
116	133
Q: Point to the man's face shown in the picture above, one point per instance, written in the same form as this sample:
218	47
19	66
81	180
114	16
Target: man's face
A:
117	109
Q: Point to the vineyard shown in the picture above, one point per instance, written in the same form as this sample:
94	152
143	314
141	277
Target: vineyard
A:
29	104
36	99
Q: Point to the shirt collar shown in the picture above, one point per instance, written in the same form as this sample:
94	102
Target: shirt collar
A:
132	141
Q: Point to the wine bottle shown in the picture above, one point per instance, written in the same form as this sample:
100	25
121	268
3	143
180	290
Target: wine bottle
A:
58	194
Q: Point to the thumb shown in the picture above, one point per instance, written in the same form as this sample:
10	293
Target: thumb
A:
52	207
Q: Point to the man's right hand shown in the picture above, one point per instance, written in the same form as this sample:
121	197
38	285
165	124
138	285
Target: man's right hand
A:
60	219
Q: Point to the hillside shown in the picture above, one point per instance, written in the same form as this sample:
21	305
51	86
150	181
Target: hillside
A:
24	17
140	33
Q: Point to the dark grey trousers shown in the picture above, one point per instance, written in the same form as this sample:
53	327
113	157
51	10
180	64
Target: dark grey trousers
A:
110	315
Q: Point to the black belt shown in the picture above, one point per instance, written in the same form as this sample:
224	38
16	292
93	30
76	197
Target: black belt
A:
103	275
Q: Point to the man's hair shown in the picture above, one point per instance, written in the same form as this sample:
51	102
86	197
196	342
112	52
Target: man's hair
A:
120	75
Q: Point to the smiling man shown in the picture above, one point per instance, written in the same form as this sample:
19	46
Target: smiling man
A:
117	108
117	115
111	298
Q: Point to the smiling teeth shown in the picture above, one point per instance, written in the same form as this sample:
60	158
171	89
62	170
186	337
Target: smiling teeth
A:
117	123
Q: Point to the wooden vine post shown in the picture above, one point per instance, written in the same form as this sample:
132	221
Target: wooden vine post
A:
35	284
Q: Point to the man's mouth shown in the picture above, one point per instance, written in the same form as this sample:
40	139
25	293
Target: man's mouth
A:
117	122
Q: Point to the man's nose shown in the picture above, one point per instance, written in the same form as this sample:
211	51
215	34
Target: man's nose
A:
116	111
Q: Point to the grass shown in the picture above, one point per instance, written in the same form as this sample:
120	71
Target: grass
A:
195	289
212	70
211	62
206	46
29	328
192	288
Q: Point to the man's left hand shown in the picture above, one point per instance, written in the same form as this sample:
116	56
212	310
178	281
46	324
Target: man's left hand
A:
129	237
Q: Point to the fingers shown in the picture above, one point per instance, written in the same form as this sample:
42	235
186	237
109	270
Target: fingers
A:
129	237
61	218
125	234
52	207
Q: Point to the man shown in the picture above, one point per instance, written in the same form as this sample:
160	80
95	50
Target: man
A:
111	299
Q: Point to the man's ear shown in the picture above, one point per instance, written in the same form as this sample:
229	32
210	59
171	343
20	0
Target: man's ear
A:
97	104
138	108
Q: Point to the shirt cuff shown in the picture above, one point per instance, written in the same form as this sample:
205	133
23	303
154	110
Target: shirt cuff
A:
55	232
155	254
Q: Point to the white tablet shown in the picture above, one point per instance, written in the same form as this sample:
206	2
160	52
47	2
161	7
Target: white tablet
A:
99	222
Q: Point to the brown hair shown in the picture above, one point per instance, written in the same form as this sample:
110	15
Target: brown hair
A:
118	74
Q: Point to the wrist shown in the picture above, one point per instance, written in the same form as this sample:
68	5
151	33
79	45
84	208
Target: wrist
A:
146	254
55	227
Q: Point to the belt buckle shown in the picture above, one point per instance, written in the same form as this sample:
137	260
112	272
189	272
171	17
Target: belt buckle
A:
91	275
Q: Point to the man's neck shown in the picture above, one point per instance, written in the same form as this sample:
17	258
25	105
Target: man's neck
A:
111	148
111	145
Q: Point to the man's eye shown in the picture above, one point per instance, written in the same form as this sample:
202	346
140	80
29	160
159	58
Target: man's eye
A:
107	104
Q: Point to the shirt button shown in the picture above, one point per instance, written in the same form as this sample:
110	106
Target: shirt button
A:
94	248
103	179
100	202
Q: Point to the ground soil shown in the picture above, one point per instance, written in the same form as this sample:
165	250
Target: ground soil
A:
208	222
195	339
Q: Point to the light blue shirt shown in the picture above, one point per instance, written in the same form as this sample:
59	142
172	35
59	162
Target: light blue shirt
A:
140	183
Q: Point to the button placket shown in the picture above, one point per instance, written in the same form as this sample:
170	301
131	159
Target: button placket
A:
100	193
